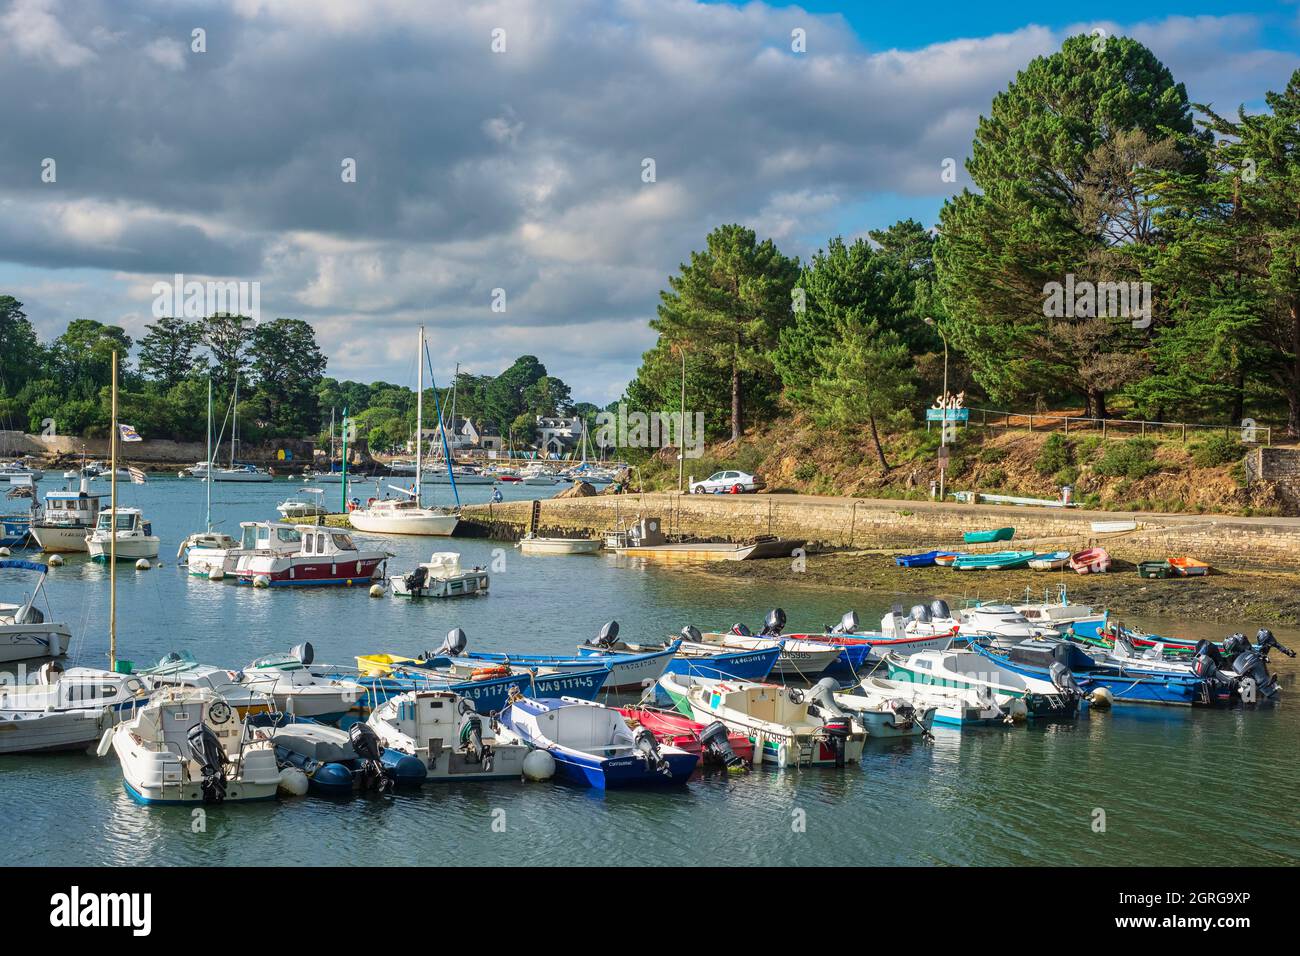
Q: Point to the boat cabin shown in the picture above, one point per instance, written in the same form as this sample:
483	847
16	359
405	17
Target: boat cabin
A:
268	536
128	521
73	509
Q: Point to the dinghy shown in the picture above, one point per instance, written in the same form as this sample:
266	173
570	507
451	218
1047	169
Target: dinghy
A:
1050	561
447	736
1189	567
595	746
925	560
776	719
997	561
946	559
188	745
1091	561
984	537
969	672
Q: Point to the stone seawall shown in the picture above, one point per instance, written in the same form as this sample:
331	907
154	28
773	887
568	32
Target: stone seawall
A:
279	453
1223	541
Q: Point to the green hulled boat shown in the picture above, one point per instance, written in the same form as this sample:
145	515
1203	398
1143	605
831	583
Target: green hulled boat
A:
997	561
1155	569
984	537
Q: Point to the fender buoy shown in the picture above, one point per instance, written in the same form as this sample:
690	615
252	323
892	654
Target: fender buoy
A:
482	673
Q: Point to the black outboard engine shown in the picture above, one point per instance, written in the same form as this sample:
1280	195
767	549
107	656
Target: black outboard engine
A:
1235	644
774	624
647	748
1265	641
741	630
848	624
1253	678
416	579
837	732
940	611
607	637
1064	680
471	736
1205	649
304	652
207	752
453	646
692	633
366	745
920	614
715	742
1207	667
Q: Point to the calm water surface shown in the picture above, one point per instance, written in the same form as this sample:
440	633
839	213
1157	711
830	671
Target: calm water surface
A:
1178	787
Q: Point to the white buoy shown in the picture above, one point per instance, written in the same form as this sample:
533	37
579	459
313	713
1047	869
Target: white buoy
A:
1101	698
261	581
5	552
215	574
376	590
55	561
293	782
143	565
539	765
180	474
1018	709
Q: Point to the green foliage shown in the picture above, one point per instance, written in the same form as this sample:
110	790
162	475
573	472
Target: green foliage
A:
991	454
1132	458
1055	455
1068	475
1217	450
806	471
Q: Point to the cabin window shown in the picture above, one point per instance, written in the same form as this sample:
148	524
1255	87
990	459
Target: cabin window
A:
309	545
288	535
249	542
343	542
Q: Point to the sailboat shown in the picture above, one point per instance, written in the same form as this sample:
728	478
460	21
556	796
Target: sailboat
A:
407	514
237	471
329	475
207	540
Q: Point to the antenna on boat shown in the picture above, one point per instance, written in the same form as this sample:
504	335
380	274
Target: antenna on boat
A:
112	534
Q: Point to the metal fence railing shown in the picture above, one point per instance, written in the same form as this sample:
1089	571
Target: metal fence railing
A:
1247	433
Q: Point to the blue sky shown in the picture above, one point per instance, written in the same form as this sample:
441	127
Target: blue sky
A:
518	170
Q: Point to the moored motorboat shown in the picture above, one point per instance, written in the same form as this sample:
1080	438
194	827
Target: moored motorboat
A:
288	680
533	544
450	738
881	719
692	657
135	537
713	742
441	577
65	710
1050	695
211	554
67	518
25	631
1000	620
310	506
338	762
595	746
926	626
953	707
324	556
804	660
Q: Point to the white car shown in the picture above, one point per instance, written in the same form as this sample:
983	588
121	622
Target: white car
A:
727	482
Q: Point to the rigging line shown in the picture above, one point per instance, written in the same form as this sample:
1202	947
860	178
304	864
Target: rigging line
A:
446	452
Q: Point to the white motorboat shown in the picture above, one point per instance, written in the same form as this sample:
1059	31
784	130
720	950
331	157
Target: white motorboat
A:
800	659
189	745
1059	614
20	469
25	633
180	669
776	719
69	516
287	679
323	556
463	476
207	553
65	710
880	718
953	706
135	537
445	732
440	577
206	550
968	671
538	475
307	507
1000	620
197	470
241	472
401	467
933	620
533	544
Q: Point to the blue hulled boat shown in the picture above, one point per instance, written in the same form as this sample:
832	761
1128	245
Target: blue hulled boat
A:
925	560
628	672
594	746
490	694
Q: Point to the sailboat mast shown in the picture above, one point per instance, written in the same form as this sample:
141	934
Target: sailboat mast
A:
207	475
419	415
112	535
234	423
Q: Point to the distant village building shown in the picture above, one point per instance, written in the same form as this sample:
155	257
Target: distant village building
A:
559	437
464	436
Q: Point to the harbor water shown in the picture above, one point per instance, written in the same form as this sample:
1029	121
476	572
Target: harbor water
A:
1138	785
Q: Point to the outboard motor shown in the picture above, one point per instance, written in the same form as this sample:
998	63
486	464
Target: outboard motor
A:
692	633
848	624
471	735
940	611
1205	649
775	623
365	743
1253	678
715	741
837	732
608	635
821	698
304	652
647	748
416	579
1265	641
920	614
453	646
1064	680
207	752
1235	644
741	630
1206	668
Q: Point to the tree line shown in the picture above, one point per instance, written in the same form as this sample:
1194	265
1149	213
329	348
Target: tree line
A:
1123	247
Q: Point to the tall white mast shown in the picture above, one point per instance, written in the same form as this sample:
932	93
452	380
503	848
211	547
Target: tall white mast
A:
207	475
419	415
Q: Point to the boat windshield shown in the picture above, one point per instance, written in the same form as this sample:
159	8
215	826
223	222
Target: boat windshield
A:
124	522
343	542
249	542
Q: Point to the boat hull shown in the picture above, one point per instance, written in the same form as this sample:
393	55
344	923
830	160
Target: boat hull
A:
23	642
437	525
560	546
128	549
284	572
61	539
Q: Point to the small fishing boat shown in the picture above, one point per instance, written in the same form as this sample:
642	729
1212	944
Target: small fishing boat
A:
532	544
1059	614
627	672
1189	567
1090	561
448	736
595	746
996	561
308	507
1155	569
953	706
713	742
1049	561
338	762
776	719
65	710
880	719
324	556
440	577
288	680
25	631
925	560
985	537
135	537
701	660
946	559
1046	695
1113	527
66	520
188	745
927	626
210	554
181	670
1000	620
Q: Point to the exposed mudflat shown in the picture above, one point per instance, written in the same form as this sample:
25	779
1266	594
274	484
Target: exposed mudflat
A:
1239	599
